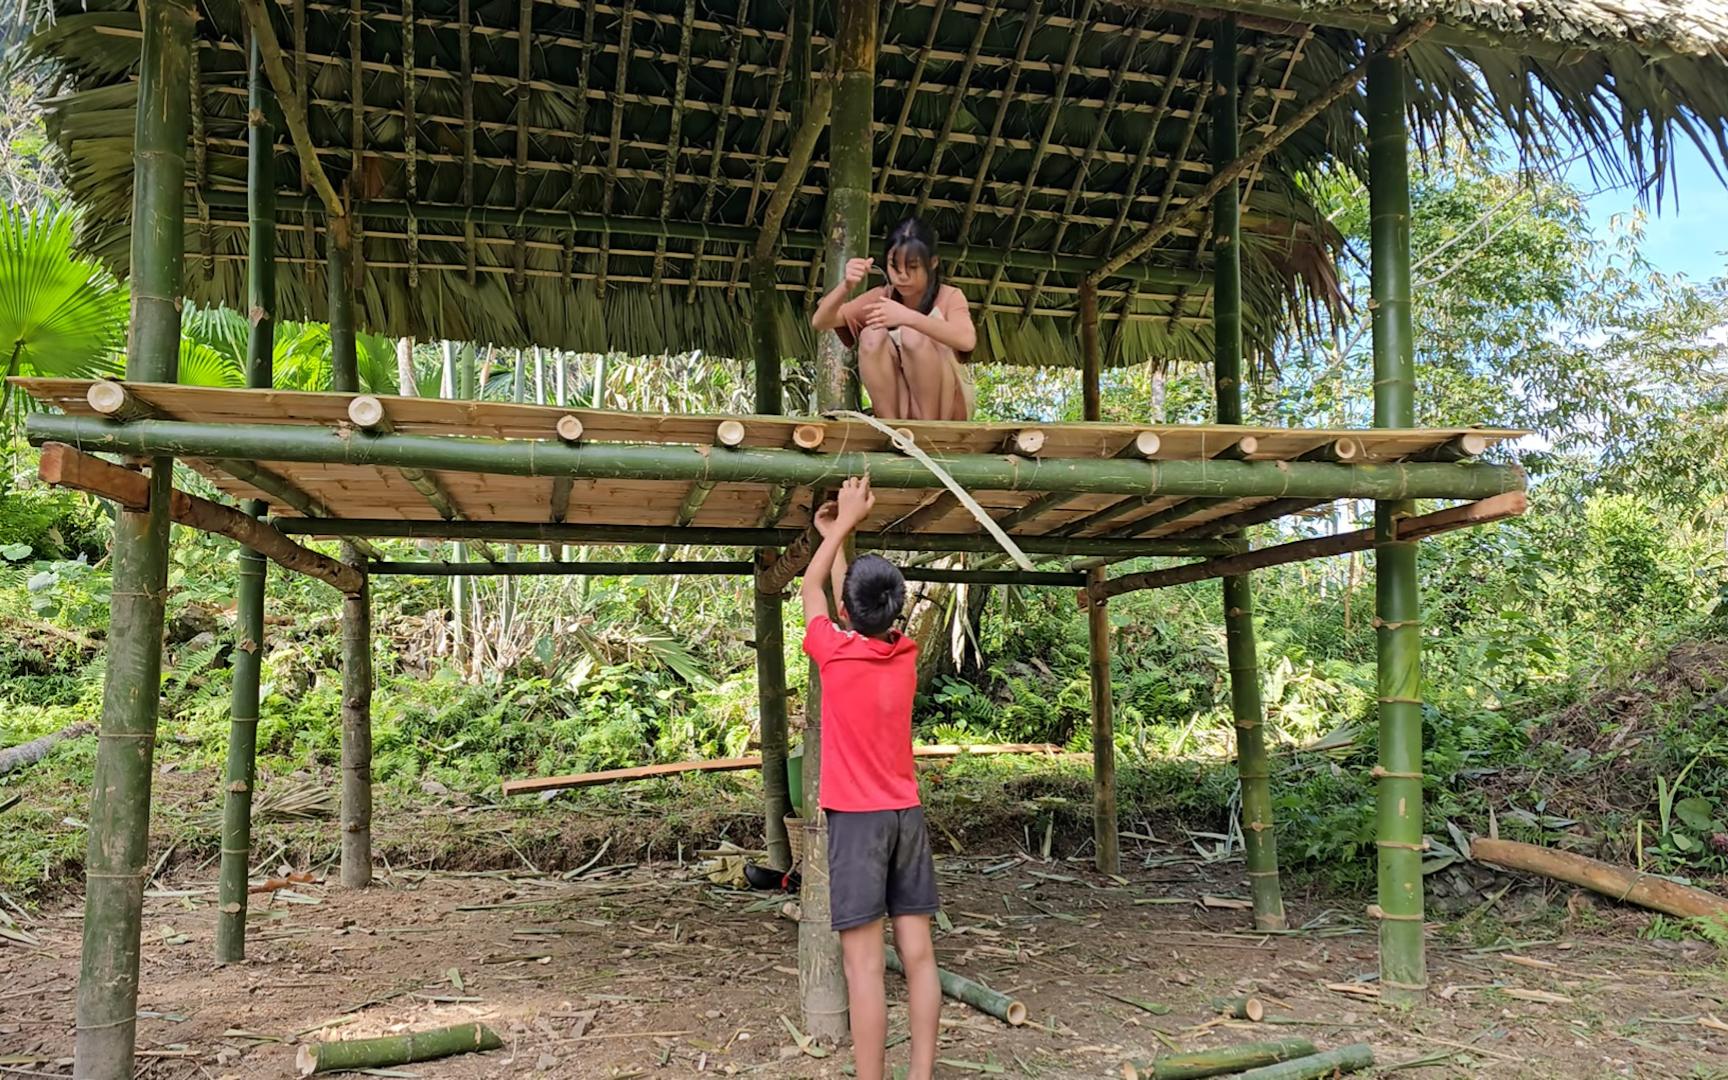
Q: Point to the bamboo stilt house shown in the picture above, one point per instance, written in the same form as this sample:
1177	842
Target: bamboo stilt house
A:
1117	183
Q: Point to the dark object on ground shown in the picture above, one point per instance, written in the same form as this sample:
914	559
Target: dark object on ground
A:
16	757
769	879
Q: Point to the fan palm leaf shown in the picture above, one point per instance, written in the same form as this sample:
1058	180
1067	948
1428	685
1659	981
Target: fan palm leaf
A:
60	315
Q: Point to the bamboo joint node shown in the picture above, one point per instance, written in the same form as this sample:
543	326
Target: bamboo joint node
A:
1379	773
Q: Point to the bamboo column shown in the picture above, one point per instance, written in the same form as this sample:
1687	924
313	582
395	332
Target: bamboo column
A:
771	696
249	599
821	976
356	815
1403	968
1106	842
116	861
1252	764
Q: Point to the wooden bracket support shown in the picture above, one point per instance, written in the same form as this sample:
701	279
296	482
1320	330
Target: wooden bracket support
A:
64	466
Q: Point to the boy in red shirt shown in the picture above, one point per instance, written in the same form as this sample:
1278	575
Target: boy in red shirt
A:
879	863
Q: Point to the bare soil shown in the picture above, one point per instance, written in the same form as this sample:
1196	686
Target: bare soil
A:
654	970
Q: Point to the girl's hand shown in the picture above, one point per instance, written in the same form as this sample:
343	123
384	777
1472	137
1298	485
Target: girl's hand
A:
886	314
857	270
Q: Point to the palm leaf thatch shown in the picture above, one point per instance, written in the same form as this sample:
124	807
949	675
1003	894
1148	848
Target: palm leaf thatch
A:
597	190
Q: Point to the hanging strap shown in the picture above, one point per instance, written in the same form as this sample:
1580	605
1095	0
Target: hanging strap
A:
907	446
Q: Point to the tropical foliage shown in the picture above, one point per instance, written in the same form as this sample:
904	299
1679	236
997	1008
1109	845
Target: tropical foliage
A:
60	314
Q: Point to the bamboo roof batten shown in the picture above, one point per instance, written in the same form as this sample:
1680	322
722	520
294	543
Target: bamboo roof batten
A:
521	145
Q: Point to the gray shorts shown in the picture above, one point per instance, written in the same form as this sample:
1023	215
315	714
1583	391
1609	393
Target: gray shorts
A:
879	865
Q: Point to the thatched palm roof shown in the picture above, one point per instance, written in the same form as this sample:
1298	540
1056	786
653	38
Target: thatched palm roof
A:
1037	135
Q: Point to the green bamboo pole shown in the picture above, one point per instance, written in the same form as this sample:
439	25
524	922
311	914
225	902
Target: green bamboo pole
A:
1106	838
344	360
968	992
1403	967
710	536
1345	1059
1253	766
821	975
771	698
388	1050
1318	480
231	893
116	858
1221	1062
356	730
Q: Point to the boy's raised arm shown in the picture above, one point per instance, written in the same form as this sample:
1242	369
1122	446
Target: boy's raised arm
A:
835	521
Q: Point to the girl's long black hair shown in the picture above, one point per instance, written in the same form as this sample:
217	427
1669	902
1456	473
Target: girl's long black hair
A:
915	243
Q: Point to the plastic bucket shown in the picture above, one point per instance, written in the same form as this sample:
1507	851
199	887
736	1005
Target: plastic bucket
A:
795	778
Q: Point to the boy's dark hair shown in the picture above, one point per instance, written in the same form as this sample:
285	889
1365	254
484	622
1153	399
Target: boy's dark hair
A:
913	243
875	593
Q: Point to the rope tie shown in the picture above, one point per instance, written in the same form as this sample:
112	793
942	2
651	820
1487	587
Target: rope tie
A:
1394	624
1400	701
1375	911
910	448
1387	774
1401	845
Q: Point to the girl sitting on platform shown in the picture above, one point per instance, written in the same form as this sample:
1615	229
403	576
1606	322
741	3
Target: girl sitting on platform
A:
914	335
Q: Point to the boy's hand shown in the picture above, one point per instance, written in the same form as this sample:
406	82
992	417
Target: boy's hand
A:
856	503
828	518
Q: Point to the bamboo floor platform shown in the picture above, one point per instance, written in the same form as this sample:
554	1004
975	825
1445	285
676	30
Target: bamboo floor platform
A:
373	492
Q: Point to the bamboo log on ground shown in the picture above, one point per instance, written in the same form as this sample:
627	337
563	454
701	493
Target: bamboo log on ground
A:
62	466
761	465
1220	1062
118	840
1398	614
29	753
1623	884
967	992
1345	1059
391	1050
1246	1007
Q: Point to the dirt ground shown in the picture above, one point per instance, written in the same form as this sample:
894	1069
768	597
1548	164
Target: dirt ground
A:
654	970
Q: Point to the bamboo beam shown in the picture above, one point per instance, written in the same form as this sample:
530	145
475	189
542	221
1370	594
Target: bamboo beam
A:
232	894
288	101
693	501
735	53
1253	764
538	532
961	85
369	413
975	472
115	860
910	96
1147	240
668	192
687	568
1398	613
62	466
651	228
776	573
609	184
1159	113
1405	530
1029	26
1091	376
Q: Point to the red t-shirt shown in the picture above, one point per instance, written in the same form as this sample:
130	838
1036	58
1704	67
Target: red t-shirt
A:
867	691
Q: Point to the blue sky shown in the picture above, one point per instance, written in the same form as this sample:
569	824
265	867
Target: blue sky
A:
1689	233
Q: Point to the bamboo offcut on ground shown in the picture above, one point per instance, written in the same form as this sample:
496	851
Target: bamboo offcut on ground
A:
29	753
1630	886
390	1050
1221	1062
968	992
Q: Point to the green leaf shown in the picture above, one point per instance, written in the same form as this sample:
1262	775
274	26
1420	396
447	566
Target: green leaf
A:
16	552
1684	842
1696	812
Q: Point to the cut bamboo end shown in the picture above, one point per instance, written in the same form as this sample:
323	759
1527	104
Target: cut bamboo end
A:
809	436
1347	449
1028	441
109	398
569	428
366	411
1247	1007
1016	1014
306	1060
1472	445
1147	444
1247	446
729	433
905	436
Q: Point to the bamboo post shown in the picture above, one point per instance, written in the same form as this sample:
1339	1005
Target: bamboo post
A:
1403	968
1253	766
821	976
356	729
1106	842
116	861
231	893
344	362
771	696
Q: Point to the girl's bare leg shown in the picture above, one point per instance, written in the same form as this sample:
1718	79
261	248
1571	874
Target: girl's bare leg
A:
930	377
923	991
879	370
861	950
